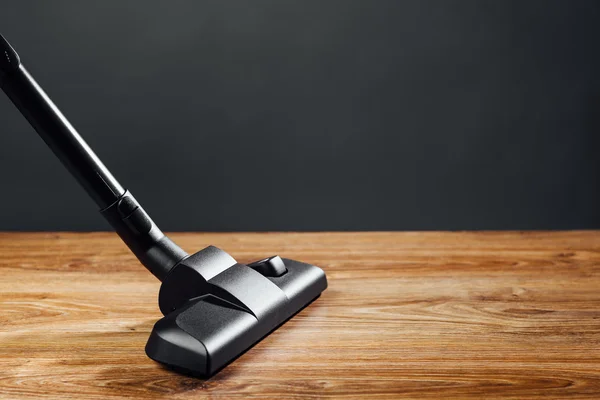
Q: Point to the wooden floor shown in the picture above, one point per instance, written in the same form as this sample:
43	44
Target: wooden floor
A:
416	315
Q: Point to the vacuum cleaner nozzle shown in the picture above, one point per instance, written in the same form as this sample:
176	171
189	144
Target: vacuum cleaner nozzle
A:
214	307
231	307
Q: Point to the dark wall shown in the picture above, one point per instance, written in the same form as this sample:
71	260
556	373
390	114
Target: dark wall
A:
314	115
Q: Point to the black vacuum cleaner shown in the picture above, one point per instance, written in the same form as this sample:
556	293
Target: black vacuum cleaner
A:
214	307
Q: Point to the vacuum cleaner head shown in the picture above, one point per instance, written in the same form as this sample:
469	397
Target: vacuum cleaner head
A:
229	311
214	307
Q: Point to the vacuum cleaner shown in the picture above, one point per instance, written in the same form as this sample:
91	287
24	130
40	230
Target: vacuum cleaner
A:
214	307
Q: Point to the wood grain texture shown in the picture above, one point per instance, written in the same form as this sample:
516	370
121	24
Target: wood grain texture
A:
415	315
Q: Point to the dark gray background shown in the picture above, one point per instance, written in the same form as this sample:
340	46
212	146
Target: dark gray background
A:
314	115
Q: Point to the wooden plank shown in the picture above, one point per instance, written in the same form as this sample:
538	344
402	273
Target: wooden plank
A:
415	315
